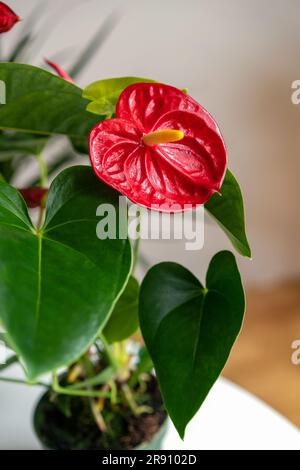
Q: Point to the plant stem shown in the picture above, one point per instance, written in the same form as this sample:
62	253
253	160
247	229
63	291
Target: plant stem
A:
136	251
98	416
114	392
137	244
43	170
40	217
108	353
76	393
129	399
98	379
12	360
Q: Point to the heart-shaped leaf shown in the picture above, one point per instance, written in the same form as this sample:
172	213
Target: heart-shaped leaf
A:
228	210
124	320
59	284
39	102
189	330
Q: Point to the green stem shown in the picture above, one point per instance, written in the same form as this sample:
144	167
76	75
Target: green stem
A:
40	217
136	251
12	360
99	379
114	392
88	365
76	393
114	364
130	399
99	420
43	170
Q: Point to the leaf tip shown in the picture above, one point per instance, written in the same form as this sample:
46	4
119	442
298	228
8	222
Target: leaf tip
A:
180	428
246	251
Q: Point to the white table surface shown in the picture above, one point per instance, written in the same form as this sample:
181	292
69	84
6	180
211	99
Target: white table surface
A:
230	418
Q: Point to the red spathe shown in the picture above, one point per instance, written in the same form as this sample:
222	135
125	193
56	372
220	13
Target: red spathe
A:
59	70
180	173
8	18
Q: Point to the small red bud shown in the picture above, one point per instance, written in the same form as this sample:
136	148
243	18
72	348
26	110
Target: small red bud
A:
34	197
8	18
61	72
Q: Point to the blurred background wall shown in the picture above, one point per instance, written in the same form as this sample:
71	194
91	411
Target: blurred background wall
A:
238	59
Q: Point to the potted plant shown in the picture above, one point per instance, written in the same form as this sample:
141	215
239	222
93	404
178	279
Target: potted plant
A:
122	355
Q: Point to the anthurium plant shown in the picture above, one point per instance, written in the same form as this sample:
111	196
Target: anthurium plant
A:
120	353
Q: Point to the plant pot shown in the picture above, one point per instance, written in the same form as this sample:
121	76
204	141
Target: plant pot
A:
66	423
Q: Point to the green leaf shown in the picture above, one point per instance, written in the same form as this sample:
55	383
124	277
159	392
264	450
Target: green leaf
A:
41	103
59	284
103	107
80	145
228	211
7	167
124	320
104	94
18	144
189	330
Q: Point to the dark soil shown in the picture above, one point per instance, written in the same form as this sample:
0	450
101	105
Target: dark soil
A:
66	423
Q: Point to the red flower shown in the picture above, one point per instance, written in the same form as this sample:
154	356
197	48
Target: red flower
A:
7	18
60	71
34	197
162	148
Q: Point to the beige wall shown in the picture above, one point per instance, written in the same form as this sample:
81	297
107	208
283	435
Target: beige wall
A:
238	58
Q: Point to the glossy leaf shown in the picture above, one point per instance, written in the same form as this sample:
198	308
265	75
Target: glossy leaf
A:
104	94
58	285
228	210
6	167
124	320
189	330
80	145
39	102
